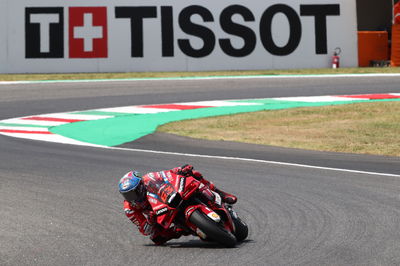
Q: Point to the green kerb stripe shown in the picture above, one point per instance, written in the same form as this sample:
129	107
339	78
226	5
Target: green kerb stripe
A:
128	127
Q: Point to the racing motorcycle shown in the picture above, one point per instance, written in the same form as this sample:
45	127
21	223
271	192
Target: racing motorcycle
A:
186	202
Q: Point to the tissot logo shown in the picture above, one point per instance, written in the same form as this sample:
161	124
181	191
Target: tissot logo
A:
87	32
161	36
44	32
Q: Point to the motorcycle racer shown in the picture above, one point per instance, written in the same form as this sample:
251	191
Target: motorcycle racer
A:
133	187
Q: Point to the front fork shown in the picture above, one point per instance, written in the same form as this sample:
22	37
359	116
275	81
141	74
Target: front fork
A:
204	209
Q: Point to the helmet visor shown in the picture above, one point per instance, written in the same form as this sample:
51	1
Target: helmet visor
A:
136	194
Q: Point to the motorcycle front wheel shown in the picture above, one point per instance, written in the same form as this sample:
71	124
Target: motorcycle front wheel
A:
213	230
241	229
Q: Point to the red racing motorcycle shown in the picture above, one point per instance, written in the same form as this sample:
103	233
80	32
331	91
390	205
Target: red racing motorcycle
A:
186	202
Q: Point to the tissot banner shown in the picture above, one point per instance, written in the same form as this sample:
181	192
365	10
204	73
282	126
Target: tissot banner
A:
180	35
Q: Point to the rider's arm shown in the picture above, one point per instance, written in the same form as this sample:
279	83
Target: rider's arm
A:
136	216
187	170
200	177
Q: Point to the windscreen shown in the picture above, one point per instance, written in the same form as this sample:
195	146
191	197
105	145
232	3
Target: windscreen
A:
162	188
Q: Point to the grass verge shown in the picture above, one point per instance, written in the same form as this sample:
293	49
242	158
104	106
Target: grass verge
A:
80	76
366	128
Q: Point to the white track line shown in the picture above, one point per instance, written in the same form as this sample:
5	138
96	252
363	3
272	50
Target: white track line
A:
254	160
75	116
130	109
135	110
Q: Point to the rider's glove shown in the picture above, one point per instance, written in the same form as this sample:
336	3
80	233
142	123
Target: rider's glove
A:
146	229
197	175
186	170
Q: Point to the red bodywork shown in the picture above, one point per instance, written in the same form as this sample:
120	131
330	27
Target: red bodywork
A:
174	198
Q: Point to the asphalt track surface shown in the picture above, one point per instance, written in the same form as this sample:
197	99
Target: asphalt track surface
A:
59	204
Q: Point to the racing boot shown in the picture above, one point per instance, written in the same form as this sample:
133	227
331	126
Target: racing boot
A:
162	236
180	230
226	197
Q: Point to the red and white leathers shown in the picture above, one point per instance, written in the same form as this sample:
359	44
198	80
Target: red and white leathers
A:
142	215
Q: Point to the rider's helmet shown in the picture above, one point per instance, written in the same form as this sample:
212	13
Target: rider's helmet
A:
131	187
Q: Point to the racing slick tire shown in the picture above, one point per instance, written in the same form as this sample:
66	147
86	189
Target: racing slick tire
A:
241	229
213	230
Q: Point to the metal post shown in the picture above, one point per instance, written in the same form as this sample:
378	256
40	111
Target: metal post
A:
392	11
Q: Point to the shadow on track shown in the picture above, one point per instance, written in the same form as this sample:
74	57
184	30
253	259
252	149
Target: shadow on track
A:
197	244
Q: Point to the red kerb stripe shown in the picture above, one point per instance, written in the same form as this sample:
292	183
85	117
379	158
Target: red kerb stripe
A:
52	119
372	96
175	106
24	131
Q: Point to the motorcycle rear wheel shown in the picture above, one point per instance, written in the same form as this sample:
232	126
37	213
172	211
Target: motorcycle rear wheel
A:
213	230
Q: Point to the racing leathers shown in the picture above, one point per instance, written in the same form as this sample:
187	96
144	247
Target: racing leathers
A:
142	215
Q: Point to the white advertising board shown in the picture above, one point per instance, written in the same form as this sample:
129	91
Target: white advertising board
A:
46	36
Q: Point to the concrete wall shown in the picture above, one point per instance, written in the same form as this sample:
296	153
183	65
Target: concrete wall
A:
153	35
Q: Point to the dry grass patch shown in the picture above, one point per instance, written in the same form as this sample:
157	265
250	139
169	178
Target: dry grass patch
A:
129	75
368	128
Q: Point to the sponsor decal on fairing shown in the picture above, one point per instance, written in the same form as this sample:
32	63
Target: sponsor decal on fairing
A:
152	200
215	217
171	198
182	184
161	211
218	199
152	195
188	211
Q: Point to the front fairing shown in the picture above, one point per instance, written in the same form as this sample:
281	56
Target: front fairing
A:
168	193
165	187
211	204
